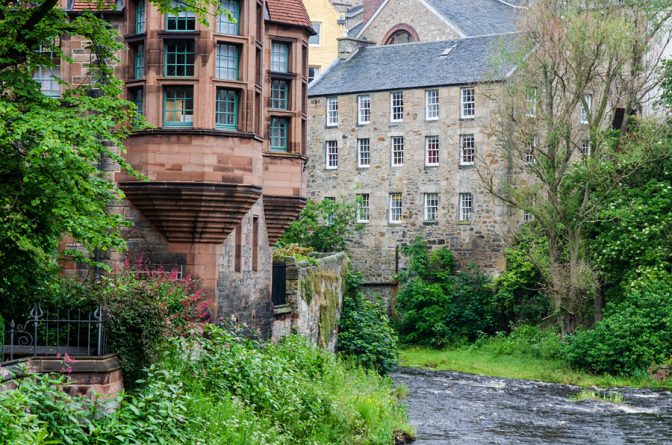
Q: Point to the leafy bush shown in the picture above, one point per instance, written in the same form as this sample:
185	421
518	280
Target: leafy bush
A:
633	333
324	226
518	295
524	340
437	306
365	334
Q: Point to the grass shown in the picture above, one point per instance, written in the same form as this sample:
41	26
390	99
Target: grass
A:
609	397
516	358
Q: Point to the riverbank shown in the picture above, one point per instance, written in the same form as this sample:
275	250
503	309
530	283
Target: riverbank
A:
484	361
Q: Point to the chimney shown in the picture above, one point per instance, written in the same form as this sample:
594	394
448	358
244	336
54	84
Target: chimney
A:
370	7
347	46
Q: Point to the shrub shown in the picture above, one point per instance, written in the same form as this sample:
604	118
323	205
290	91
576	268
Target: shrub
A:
436	305
633	333
365	334
527	340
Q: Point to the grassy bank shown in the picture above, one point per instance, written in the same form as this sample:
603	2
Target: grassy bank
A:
517	358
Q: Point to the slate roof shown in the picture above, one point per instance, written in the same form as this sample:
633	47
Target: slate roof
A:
290	12
416	65
352	32
480	17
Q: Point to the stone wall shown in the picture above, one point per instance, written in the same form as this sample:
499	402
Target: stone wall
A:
374	250
314	300
426	24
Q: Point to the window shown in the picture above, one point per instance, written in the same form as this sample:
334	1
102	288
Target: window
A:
432	150
397	106
179	58
397	150
313	72
225	24
332	111
47	76
585	112
363	208
140	17
139	62
530	152
363	153
238	260
178	106
527	216
431	207
180	21
226	114
331	208
332	154
137	96
432	105
364	110
279	134
395	207
279	94
466	207
255	243
399	37
315	40
280	57
585	147
531	102
467	149
227	62
467	103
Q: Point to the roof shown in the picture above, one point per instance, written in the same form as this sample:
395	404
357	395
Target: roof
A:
417	65
352	32
289	12
480	17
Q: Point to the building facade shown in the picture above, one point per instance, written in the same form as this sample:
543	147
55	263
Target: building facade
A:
399	124
224	159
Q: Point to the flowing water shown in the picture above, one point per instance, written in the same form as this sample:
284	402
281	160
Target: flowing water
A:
453	408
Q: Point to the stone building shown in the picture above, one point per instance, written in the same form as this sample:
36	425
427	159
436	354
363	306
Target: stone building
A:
225	157
398	124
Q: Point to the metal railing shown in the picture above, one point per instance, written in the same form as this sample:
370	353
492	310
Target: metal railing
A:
72	332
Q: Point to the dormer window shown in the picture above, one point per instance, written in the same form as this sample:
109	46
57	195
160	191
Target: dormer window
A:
399	37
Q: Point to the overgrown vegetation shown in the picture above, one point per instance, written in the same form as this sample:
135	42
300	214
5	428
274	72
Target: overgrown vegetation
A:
365	334
217	389
323	226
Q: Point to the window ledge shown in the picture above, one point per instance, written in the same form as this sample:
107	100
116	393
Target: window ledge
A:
467	166
431	165
132	38
179	34
283	154
467	118
430	223
282	309
464	223
230	37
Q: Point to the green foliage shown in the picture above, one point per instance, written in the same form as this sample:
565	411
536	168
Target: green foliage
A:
524	340
633	334
436	305
324	226
365	334
300	253
518	293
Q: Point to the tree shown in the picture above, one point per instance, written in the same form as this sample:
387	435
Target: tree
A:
582	69
322	225
50	148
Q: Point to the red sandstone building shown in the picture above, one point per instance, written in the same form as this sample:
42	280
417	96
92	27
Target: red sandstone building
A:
225	157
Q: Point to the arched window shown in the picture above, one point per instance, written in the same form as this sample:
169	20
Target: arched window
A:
400	36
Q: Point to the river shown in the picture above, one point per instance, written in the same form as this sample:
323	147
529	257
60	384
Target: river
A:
454	408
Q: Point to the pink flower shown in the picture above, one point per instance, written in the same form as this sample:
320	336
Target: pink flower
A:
68	359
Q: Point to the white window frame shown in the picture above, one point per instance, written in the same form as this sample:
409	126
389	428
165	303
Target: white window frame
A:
464	156
531	102
466	208
395	150
360	144
363	208
585	148
467	93
364	111
331	155
396	208
434	207
318	36
397	102
530	158
583	113
428	141
332	111
432	106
